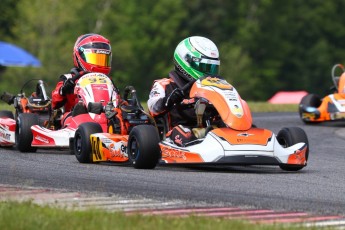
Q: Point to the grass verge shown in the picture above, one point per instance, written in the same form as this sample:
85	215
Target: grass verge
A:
26	215
267	107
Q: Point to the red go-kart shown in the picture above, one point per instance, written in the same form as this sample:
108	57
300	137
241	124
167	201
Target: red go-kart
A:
37	103
59	131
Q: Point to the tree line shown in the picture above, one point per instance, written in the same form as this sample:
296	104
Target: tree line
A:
265	45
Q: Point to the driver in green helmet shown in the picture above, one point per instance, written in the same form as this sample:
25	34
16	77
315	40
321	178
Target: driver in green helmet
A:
194	57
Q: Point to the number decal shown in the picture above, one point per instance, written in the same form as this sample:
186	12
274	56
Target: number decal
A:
96	148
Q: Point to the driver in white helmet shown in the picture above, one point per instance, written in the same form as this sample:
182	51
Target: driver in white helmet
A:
194	57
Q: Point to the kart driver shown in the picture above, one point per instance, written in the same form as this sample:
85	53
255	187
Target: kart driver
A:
194	57
91	53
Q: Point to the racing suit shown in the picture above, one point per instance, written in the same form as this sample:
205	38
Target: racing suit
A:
179	117
63	94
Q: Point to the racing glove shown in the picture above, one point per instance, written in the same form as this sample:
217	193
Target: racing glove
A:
176	96
67	87
76	73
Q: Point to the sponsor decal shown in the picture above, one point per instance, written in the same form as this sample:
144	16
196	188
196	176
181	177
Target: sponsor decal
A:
5	136
116	151
168	152
42	139
244	134
154	93
255	136
188	101
308	116
5	127
181	70
238	111
178	139
107	141
339	115
239	140
100	87
102	51
100	147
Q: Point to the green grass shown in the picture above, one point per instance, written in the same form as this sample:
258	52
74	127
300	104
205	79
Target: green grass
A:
267	107
26	215
4	106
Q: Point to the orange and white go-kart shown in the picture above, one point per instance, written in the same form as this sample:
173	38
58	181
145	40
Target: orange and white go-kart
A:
225	135
314	109
92	144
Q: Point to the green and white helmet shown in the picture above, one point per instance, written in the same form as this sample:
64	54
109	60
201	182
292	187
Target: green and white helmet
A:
196	57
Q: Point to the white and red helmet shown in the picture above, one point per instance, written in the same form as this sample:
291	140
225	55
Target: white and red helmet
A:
92	53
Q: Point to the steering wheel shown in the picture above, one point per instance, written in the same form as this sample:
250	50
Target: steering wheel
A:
130	95
335	77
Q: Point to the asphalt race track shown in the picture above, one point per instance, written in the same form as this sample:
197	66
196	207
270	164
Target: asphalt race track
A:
318	188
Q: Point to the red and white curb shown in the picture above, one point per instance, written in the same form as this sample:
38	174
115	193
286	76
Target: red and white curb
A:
144	206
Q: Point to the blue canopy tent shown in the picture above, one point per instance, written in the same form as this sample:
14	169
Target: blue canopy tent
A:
11	55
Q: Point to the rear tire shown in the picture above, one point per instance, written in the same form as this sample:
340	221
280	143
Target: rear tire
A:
288	137
82	143
23	131
6	114
143	147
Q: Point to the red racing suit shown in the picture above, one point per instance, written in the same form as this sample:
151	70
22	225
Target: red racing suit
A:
68	100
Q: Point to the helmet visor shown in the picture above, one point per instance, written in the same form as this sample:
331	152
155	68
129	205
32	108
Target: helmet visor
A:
207	66
97	54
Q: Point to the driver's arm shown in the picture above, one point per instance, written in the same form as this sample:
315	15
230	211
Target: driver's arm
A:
157	96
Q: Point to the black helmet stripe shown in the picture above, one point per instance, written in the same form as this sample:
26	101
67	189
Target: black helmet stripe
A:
84	36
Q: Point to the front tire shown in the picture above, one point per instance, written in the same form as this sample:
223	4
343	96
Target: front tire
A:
82	143
143	148
288	137
23	131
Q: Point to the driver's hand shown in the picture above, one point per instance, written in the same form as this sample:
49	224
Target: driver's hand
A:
68	87
76	73
175	97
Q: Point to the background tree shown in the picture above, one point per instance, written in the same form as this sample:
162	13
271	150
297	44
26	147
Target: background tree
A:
294	45
265	46
8	14
144	36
